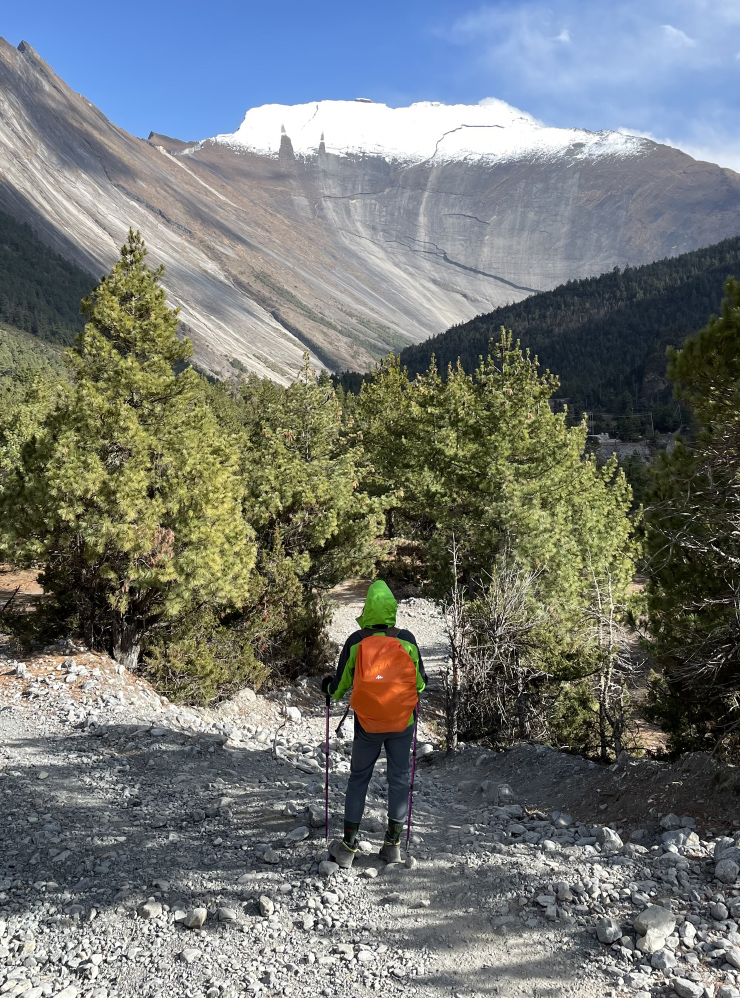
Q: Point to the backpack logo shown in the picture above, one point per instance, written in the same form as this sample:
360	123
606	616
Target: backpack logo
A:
378	677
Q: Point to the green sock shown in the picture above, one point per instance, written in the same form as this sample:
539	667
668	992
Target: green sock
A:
350	833
393	835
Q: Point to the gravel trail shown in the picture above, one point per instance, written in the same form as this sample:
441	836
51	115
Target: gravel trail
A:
147	849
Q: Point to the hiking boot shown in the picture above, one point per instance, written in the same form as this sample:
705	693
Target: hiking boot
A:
390	851
341	853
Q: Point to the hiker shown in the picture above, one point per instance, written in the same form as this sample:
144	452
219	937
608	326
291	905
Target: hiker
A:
384	666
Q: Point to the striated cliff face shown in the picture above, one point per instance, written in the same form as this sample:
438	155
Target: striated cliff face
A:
347	228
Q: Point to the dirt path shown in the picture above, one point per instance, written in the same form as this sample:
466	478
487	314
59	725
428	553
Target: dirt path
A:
124	817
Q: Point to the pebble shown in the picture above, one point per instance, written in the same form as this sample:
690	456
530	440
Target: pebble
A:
190	955
370	872
195	918
607	930
271	857
317	817
267	906
298	834
655	918
151	909
226	915
327	868
663	960
732	955
727	871
685	988
610	842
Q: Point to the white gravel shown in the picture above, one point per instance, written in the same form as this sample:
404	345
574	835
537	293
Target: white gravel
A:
126	820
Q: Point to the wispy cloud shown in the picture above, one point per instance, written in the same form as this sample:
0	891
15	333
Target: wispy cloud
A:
669	67
677	36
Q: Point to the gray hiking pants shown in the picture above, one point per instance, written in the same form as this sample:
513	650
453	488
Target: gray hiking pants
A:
365	751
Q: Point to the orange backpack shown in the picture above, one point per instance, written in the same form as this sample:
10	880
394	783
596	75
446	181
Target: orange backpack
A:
384	687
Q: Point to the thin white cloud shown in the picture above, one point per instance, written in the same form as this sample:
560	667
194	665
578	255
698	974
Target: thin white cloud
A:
668	66
677	36
722	151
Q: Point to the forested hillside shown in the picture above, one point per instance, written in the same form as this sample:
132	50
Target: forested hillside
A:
605	337
40	291
21	354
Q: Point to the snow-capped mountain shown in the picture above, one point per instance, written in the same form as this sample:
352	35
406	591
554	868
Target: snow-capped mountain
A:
397	224
493	132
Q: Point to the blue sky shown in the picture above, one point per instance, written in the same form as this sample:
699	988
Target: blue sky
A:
667	68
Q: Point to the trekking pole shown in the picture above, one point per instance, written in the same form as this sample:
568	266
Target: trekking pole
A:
326	782
413	774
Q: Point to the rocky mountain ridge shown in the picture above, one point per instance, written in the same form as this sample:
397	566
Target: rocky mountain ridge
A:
347	253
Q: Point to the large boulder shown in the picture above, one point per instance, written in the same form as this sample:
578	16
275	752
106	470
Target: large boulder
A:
727	871
685	988
653	926
610	842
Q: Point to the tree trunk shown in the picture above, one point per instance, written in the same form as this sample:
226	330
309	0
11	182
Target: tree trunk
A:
453	704
126	642
525	728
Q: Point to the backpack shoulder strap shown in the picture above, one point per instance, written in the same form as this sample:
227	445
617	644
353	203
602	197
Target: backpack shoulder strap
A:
368	632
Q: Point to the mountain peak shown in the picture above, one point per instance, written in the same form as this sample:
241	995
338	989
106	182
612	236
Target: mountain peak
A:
490	131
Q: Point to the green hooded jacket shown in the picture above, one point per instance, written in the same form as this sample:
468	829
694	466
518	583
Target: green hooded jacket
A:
378	615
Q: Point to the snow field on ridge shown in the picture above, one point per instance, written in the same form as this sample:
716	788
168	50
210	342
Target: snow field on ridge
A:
426	130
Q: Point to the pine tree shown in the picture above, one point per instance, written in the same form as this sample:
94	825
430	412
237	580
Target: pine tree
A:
128	494
480	465
693	525
483	457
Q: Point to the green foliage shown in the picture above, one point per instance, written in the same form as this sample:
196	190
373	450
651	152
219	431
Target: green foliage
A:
203	659
605	336
314	525
693	529
483	458
303	477
505	510
127	492
637	473
30	376
40	291
22	354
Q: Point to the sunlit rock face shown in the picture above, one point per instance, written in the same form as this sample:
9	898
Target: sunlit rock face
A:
347	228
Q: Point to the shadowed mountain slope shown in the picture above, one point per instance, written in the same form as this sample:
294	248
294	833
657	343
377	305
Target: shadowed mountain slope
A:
602	335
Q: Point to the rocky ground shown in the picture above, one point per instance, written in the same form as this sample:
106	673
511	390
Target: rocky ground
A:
147	849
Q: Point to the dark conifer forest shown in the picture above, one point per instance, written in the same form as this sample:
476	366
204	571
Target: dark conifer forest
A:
604	337
40	291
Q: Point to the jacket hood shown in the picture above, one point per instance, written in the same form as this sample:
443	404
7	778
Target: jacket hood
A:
380	606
